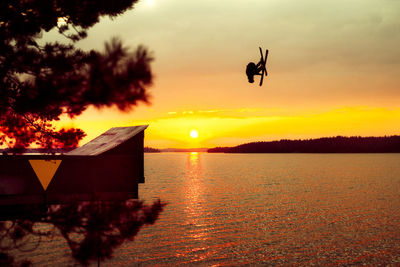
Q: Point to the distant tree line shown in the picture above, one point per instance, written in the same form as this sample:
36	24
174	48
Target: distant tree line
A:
339	144
147	149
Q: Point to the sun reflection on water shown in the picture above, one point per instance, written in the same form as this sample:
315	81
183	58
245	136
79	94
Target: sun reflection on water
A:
193	158
269	209
195	203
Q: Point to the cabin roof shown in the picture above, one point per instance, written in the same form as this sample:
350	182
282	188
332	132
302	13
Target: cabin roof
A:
107	141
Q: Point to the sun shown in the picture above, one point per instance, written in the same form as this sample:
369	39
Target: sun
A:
150	2
194	133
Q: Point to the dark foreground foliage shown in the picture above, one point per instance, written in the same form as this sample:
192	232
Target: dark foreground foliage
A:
41	81
339	144
93	230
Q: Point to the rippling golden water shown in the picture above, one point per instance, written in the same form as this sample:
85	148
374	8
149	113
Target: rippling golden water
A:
268	209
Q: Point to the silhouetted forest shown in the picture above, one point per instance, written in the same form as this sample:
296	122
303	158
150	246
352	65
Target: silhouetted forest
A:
147	149
339	144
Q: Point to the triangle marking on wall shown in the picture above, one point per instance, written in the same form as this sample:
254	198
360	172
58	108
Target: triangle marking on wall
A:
45	170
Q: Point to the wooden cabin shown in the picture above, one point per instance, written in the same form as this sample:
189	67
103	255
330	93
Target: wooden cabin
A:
107	168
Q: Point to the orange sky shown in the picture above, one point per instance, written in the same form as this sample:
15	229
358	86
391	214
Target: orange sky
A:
334	69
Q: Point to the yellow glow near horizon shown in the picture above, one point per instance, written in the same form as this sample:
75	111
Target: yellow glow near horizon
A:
234	127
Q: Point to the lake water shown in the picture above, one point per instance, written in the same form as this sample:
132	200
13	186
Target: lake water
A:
267	209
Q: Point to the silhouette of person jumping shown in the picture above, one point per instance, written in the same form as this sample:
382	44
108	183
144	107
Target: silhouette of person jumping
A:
259	69
253	69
